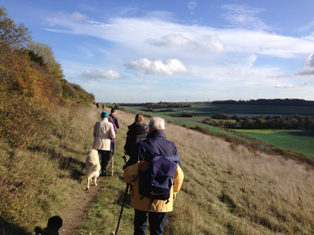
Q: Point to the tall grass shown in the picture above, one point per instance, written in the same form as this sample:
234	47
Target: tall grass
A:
227	190
39	179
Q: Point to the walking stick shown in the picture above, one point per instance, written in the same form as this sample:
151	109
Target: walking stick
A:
125	193
112	165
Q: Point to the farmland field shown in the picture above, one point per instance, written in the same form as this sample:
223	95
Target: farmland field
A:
204	110
186	122
300	141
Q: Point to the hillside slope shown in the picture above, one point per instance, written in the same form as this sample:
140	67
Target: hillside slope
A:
227	190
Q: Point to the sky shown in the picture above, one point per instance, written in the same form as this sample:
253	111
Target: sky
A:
174	50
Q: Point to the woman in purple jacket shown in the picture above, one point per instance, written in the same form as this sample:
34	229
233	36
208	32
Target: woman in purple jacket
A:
113	143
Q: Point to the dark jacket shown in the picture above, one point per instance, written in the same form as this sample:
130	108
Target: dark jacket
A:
155	143
115	119
136	133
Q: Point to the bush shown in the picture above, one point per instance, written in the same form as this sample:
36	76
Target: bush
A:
182	114
22	120
170	120
148	115
220	116
280	151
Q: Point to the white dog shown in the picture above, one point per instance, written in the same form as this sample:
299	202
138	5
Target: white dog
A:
92	167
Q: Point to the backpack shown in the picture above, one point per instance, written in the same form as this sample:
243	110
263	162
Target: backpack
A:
157	180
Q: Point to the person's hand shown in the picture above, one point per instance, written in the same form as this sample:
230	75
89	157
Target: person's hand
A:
174	196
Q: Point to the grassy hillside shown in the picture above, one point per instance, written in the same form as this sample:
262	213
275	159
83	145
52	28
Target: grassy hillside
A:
227	190
44	132
39	179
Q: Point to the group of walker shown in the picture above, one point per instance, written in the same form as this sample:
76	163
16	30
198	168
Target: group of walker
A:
144	144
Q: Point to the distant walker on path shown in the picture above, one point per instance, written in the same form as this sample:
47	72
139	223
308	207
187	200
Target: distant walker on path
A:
113	114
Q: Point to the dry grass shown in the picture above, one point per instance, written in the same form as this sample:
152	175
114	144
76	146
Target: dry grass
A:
230	190
37	181
227	188
235	191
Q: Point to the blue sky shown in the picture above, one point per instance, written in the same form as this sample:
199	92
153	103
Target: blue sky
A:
198	50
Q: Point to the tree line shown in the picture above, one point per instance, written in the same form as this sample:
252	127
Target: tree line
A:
281	102
261	122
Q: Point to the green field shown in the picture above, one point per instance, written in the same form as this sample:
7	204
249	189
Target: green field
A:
300	141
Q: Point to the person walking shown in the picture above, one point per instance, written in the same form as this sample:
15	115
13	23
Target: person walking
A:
103	134
144	207
113	141
113	114
136	133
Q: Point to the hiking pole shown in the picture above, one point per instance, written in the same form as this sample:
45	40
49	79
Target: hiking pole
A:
126	192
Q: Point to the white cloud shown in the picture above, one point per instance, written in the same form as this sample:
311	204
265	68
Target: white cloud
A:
211	42
244	16
309	37
251	60
221	58
79	16
132	32
100	74
308	69
204	42
284	86
306	83
171	40
192	5
170	67
310	61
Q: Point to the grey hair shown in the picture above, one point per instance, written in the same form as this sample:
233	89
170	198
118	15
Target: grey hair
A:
157	123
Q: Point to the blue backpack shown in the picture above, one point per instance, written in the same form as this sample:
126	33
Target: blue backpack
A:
157	180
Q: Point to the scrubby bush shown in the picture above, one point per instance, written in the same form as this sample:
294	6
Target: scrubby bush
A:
220	116
148	115
170	120
186	114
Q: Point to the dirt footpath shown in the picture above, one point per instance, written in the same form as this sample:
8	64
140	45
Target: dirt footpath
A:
74	214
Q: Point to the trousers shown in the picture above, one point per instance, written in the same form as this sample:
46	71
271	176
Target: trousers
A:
104	157
157	222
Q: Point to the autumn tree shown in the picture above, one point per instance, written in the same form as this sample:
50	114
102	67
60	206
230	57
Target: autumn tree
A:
10	33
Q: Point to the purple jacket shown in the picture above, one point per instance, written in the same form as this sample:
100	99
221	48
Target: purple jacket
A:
114	128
